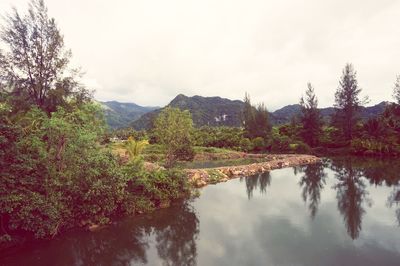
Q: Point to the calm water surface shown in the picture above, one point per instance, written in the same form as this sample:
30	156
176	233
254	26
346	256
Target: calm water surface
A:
341	212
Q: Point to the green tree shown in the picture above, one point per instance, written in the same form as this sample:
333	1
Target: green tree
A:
396	90
310	118
174	129
348	102
262	125
256	120
34	67
248	114
54	174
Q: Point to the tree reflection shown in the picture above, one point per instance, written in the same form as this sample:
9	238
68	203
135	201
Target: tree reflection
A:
313	182
176	239
261	181
175	230
351	194
394	199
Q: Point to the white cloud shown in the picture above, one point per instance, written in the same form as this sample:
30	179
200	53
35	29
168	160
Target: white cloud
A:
148	51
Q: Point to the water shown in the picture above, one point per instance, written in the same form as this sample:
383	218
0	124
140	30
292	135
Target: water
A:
342	212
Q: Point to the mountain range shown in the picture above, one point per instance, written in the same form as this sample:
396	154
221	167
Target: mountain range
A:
119	115
211	111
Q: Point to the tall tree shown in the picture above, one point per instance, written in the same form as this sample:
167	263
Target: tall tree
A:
348	102
396	90
34	67
255	120
248	114
310	117
262	125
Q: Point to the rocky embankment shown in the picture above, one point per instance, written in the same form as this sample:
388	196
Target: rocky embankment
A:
202	177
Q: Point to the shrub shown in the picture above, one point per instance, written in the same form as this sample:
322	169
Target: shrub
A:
258	143
246	145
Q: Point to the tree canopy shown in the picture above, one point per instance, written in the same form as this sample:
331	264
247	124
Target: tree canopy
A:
34	67
310	117
348	102
174	130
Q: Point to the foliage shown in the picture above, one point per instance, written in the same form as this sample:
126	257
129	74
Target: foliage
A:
55	174
125	133
328	137
256	120
220	137
34	66
279	143
135	147
300	147
246	144
174	130
380	136
374	147
152	189
258	143
310	118
214	176
347	102
248	114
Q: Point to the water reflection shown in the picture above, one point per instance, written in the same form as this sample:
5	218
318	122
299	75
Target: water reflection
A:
394	200
174	231
261	181
312	182
351	195
346	229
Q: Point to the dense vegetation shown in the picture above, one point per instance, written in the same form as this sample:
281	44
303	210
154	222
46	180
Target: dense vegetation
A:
55	174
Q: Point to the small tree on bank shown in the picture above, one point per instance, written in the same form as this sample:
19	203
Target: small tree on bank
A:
174	129
348	102
310	118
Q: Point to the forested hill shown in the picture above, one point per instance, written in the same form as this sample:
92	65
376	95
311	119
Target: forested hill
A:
212	111
120	115
285	114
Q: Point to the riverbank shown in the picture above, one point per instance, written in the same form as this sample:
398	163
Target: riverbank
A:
202	177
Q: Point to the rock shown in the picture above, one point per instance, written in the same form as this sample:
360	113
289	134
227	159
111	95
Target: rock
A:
200	177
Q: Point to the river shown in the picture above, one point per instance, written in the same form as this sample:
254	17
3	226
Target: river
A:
342	212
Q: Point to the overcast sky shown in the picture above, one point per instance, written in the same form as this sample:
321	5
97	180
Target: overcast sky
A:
148	51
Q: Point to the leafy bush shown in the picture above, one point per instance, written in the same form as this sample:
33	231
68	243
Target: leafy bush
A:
258	143
246	144
219	137
154	189
373	147
300	147
56	176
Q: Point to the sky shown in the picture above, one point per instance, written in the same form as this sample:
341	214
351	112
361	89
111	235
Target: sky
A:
148	51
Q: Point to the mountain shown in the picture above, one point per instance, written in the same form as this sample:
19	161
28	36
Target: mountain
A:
119	114
217	111
284	115
212	111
